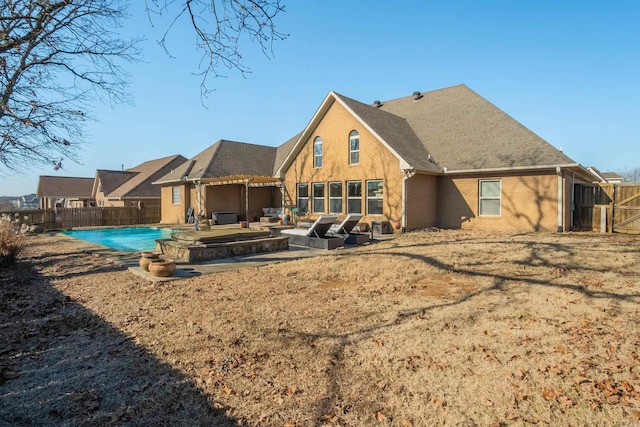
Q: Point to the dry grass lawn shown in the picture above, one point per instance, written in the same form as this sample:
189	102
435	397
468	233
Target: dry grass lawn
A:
441	328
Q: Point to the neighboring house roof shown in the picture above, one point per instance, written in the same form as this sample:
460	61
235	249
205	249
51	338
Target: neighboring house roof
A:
135	183
225	159
64	186
612	176
108	180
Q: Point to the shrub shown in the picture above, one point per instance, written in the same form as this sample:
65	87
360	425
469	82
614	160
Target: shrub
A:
11	241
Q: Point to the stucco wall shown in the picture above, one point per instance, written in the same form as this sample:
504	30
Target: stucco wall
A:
528	202
376	162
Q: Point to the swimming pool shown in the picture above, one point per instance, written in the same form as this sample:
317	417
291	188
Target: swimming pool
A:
128	239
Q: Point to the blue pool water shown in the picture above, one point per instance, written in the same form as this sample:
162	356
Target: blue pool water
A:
129	239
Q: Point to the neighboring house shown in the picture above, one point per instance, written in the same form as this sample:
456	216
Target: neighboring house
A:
64	192
446	158
610	177
29	201
132	187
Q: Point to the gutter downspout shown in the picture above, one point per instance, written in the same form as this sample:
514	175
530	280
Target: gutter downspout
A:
560	200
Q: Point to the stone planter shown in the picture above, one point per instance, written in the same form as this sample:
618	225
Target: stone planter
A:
162	267
146	257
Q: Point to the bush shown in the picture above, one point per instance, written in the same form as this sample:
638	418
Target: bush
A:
11	242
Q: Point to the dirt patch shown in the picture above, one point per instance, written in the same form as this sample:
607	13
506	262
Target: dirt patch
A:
448	328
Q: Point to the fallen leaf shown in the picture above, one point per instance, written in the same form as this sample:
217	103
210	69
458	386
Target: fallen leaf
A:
380	416
406	422
551	393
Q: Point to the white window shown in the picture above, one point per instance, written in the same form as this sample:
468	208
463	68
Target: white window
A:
317	152
489	197
303	198
318	197
374	197
335	197
175	195
354	147
354	197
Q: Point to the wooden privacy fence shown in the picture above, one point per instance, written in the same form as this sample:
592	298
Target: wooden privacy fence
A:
87	217
622	213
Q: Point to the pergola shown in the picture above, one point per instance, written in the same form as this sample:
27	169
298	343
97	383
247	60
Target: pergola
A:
248	181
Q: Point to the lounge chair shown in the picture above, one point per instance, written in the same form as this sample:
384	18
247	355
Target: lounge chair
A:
316	235
345	230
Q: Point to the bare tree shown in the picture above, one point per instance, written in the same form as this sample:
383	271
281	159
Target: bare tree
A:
631	175
58	57
219	27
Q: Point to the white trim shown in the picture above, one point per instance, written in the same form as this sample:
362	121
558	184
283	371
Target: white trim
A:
324	107
517	168
560	200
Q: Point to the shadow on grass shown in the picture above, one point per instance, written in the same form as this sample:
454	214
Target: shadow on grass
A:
539	255
60	364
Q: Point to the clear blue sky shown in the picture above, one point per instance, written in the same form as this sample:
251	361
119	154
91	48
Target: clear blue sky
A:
569	71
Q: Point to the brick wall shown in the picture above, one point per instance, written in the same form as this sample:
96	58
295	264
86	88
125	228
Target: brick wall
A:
529	203
170	213
376	162
422	201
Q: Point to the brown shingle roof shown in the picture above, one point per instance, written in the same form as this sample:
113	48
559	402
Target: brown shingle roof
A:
110	180
139	185
64	186
396	132
464	131
225	158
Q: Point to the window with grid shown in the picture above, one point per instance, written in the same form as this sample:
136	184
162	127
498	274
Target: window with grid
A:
317	152
374	197
489	197
354	197
354	147
175	195
303	198
335	197
318	197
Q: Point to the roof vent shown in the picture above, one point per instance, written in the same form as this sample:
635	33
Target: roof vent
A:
377	104
417	95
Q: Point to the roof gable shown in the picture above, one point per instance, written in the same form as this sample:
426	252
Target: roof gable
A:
139	185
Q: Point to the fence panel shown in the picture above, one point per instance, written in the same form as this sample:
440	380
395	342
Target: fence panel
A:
87	217
626	209
43	217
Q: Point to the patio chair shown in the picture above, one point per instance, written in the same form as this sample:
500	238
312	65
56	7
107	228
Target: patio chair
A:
345	230
316	235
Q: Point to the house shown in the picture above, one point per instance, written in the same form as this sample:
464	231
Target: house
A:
610	177
28	201
132	187
64	192
446	158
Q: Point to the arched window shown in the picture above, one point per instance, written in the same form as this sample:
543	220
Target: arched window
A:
317	152
354	147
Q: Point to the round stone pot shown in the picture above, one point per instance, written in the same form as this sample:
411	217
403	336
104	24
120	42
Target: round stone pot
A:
146	257
162	267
